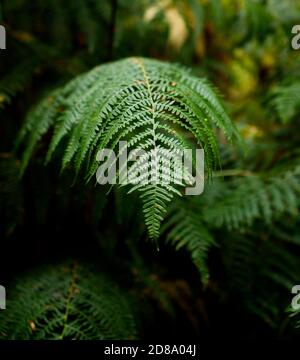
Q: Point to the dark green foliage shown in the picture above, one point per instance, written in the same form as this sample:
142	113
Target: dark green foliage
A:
235	205
69	301
14	82
252	261
185	228
286	100
257	197
11	196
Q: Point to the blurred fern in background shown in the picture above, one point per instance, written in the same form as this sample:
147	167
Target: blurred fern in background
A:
67	301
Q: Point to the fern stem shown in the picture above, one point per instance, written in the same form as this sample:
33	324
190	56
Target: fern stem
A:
147	82
71	292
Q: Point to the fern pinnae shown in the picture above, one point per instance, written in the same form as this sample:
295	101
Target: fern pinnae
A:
184	229
148	103
71	301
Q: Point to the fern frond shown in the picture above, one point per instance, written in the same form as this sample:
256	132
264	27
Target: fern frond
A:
185	229
256	198
235	205
146	102
66	302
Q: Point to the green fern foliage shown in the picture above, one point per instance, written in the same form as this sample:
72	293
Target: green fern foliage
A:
233	206
286	100
185	229
154	106
70	302
256	198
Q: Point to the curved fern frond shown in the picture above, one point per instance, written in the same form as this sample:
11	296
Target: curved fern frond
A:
150	104
66	302
185	229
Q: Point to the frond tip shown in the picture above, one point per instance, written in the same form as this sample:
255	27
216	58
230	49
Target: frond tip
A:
154	106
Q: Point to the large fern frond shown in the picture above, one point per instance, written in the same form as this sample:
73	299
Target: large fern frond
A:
151	104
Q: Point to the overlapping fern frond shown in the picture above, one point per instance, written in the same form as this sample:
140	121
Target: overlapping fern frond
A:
66	302
150	104
256	198
185	229
233	206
